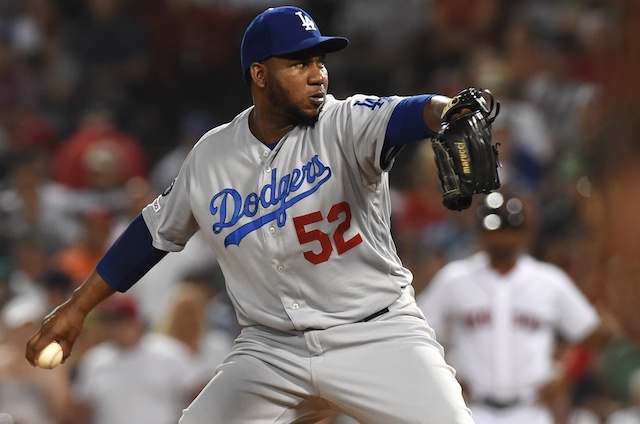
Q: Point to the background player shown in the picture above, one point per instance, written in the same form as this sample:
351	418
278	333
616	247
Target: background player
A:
293	198
497	312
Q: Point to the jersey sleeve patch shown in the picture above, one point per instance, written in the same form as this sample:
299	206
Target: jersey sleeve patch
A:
372	103
155	205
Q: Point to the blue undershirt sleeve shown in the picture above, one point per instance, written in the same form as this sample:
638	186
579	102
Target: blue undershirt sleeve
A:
405	126
130	257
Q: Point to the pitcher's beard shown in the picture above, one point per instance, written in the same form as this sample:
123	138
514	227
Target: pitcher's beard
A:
278	96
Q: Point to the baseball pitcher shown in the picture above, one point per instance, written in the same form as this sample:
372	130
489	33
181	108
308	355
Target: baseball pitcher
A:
292	196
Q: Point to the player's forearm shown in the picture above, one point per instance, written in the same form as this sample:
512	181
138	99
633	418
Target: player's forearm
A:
90	293
433	112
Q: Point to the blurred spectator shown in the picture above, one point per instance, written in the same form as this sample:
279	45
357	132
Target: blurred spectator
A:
630	414
187	321
36	25
449	32
91	245
138	194
194	125
76	161
548	32
30	260
98	160
420	203
5	272
19	91
111	47
31	203
57	286
589	402
194	55
31	395
524	142
34	133
39	28
619	359
558	93
133	376
522	57
106	187
377	58
498	313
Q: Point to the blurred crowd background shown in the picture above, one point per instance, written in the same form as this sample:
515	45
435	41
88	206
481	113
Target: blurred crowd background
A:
100	101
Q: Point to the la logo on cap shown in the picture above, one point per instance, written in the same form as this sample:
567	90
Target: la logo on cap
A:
275	32
307	22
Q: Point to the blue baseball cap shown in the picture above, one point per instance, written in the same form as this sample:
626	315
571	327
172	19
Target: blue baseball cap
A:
283	30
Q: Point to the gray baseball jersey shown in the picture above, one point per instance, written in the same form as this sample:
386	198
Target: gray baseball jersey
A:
302	232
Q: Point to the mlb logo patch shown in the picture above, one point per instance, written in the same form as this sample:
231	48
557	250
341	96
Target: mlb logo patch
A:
156	204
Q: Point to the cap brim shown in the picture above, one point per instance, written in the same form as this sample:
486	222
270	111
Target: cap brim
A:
327	44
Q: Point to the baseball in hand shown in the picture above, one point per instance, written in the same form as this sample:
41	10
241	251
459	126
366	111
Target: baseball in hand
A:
51	356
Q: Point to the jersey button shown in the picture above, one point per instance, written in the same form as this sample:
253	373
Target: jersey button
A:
267	169
272	230
295	306
265	154
280	268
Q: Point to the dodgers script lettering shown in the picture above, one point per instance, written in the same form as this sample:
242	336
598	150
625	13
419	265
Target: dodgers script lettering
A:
229	206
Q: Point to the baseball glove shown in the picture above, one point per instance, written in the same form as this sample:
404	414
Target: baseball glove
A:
467	160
